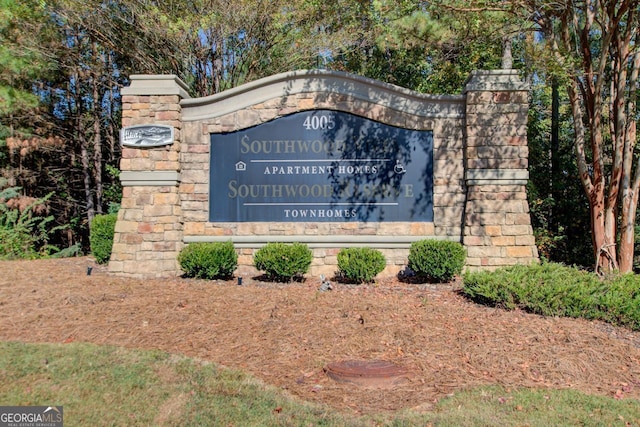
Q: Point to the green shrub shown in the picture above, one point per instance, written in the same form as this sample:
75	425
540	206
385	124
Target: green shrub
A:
101	236
283	262
24	230
208	260
618	301
360	265
17	235
436	260
552	289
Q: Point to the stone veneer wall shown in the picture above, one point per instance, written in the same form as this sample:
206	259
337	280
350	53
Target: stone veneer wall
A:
479	197
497	224
149	230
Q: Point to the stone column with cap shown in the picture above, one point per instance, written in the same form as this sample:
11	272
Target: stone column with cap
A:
497	228
148	234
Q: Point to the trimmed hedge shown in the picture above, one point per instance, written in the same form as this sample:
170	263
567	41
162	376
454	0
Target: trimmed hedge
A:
101	234
208	260
283	262
437	260
552	289
360	265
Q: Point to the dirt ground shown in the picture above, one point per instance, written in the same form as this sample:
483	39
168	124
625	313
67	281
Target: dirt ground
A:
286	334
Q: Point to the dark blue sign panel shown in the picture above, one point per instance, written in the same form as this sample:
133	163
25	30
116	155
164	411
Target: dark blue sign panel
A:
321	166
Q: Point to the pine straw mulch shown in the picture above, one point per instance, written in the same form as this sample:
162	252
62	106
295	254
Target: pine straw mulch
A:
287	334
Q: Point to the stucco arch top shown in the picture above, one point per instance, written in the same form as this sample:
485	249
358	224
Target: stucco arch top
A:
325	86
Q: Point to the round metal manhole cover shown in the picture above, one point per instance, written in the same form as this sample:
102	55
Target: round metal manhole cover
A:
368	373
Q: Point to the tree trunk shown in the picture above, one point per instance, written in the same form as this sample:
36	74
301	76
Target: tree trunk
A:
554	155
86	172
80	134
627	232
630	198
97	143
624	110
603	232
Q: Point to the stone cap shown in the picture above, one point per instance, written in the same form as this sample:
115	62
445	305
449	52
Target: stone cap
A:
156	84
283	85
496	176
149	178
322	241
494	80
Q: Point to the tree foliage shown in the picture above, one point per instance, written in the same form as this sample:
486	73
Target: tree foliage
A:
63	62
559	207
20	61
418	45
589	48
594	46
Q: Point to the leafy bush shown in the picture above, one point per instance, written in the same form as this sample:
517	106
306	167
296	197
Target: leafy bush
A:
24	230
283	262
101	236
360	265
208	260
437	260
553	289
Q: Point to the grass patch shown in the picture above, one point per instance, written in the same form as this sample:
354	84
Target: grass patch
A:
105	385
497	406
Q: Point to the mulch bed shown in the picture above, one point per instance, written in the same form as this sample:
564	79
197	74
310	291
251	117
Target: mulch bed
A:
286	334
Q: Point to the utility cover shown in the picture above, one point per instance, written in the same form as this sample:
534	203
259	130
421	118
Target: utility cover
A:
371	373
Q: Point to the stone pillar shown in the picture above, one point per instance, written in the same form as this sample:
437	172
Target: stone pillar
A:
148	234
497	228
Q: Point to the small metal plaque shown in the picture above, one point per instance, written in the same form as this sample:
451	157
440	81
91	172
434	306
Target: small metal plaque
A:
146	136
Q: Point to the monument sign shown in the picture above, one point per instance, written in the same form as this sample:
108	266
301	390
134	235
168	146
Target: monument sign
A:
327	159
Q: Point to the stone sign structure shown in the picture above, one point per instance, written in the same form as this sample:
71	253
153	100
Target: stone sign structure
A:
328	159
